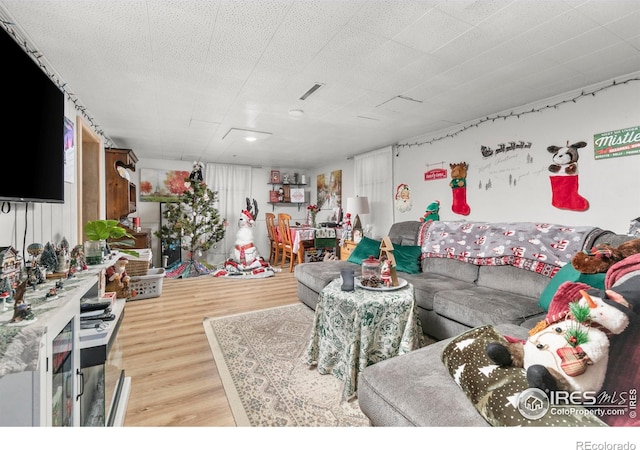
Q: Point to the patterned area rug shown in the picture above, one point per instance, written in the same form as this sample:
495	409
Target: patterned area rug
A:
261	359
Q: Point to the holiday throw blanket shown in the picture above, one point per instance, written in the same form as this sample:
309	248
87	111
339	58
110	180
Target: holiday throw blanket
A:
540	247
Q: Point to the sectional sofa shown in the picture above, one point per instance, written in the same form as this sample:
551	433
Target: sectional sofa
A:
470	274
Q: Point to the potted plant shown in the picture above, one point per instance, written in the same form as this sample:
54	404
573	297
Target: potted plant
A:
98	233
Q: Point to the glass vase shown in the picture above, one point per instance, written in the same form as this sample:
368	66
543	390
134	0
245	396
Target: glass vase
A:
94	252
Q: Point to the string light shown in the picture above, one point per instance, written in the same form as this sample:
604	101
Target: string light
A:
37	57
517	115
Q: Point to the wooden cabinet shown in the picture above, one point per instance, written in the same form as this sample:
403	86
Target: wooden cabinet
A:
346	249
120	190
142	239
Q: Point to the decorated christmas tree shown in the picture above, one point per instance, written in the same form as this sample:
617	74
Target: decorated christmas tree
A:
195	223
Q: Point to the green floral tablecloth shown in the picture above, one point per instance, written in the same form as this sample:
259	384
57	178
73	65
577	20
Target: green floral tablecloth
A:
352	330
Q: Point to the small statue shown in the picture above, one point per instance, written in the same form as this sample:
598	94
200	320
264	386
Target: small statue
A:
385	273
118	279
52	294
21	309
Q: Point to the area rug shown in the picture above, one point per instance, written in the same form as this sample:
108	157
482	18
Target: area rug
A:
261	360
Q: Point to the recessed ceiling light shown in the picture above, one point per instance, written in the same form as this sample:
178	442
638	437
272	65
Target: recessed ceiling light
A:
250	138
296	112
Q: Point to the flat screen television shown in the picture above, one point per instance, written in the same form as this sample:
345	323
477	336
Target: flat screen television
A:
32	129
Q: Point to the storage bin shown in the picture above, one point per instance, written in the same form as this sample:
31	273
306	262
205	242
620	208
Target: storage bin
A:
147	286
138	265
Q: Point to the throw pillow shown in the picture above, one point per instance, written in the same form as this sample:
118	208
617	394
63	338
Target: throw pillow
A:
494	390
407	258
568	273
365	248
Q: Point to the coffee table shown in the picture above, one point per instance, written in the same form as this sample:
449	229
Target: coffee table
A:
352	330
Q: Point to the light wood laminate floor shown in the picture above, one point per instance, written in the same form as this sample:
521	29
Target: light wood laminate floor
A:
162	346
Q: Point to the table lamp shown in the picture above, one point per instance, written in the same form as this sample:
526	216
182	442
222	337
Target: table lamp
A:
357	205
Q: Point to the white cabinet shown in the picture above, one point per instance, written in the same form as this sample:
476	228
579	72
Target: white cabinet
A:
40	386
41	379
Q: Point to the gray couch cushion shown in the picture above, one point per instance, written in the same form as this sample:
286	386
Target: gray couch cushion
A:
316	275
451	268
426	285
430	397
405	233
513	280
479	306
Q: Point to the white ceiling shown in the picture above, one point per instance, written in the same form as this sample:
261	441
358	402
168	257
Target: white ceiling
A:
181	79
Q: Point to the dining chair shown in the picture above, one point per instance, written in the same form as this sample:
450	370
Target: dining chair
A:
275	244
284	231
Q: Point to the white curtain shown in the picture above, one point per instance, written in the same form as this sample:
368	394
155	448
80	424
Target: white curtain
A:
233	185
373	179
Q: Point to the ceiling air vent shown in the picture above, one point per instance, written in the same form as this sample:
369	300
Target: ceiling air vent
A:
314	88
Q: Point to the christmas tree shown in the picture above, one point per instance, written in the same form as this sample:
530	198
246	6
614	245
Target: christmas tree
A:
48	258
195	223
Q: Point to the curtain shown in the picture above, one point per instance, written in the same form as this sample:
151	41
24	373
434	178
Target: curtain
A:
233	185
373	179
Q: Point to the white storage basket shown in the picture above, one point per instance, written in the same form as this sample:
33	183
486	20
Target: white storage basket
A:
147	286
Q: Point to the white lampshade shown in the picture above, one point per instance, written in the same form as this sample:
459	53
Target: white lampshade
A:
358	205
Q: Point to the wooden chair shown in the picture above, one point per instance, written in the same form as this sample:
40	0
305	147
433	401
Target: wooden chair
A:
284	231
275	244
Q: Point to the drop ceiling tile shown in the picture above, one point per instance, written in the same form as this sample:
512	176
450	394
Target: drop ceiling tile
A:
387	17
472	11
431	31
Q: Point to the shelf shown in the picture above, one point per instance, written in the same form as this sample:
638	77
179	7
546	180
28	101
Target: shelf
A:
274	204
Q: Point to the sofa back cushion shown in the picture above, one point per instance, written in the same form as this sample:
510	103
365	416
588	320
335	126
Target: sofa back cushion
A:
453	268
512	279
405	233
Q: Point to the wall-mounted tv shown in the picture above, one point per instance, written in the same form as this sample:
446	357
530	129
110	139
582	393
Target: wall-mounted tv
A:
32	129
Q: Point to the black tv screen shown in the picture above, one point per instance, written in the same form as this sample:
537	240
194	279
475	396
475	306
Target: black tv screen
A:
32	129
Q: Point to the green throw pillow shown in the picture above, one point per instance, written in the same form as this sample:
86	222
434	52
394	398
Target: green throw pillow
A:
365	248
407	258
568	273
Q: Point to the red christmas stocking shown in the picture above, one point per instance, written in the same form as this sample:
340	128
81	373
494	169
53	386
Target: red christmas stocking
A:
459	205
564	189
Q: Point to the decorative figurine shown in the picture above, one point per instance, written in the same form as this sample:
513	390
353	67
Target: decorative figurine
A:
52	294
21	309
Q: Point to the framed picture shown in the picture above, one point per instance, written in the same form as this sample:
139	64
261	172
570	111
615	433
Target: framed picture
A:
273	196
297	195
357	236
275	176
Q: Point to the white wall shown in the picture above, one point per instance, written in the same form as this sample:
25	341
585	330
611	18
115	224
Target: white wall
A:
611	186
